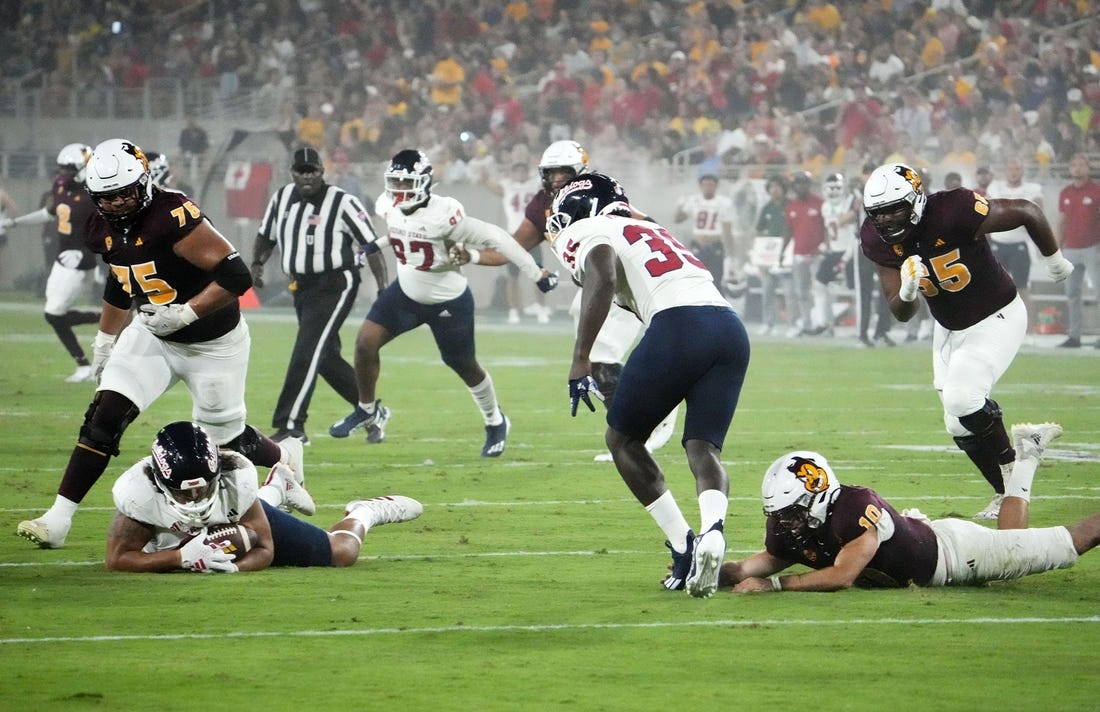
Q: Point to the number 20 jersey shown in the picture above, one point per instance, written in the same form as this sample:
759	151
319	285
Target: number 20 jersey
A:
653	270
964	283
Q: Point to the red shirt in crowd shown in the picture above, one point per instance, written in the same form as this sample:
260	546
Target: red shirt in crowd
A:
805	224
1080	209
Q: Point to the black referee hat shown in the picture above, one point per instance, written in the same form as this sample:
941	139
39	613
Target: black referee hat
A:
306	158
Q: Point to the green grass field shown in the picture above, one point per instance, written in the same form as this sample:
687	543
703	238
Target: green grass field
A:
531	582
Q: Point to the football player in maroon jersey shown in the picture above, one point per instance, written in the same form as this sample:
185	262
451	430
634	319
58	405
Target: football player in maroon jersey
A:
936	245
166	258
851	536
70	207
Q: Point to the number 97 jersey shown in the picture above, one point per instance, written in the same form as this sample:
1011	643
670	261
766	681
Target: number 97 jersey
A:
653	270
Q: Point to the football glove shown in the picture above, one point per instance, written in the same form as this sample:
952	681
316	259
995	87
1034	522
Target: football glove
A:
1058	267
101	349
70	258
197	555
910	278
5	223
167	319
548	282
580	389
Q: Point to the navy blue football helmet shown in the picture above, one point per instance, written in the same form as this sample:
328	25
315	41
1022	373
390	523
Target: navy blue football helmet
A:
586	196
186	468
408	179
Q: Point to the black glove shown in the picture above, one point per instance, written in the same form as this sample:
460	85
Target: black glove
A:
548	282
580	389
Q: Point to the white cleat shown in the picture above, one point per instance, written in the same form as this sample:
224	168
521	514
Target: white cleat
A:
706	560
390	509
82	374
1031	439
295	497
603	457
44	534
993	509
293	455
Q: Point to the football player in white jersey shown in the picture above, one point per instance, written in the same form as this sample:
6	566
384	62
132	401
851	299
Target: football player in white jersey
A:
840	210
516	191
430	289
711	218
170	501
694	349
1011	247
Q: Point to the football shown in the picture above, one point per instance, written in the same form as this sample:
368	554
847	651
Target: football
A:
233	538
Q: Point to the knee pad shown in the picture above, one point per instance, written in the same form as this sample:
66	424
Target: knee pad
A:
607	378
105	421
982	421
247	443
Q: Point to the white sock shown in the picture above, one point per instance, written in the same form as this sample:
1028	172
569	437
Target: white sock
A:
486	398
63	508
368	407
1018	483
272	495
712	509
362	515
670	519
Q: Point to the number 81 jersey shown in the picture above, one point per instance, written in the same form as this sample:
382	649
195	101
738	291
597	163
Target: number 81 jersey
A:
653	270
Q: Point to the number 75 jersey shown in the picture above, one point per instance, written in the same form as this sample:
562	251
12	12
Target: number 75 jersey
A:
653	270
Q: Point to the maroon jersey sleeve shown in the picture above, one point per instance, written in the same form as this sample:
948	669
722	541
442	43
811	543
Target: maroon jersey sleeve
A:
143	261
906	555
538	209
964	283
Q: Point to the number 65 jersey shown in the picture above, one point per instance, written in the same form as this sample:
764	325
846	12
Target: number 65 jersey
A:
653	270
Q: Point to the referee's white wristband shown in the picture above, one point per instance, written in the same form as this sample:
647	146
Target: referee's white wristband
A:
475	256
776	586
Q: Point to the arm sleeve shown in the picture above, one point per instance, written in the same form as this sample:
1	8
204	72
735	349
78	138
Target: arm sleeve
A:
482	234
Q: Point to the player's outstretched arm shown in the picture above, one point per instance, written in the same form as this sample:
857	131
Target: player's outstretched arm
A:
125	540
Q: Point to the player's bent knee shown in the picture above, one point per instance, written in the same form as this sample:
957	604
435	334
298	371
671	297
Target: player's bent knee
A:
982	420
345	546
106	419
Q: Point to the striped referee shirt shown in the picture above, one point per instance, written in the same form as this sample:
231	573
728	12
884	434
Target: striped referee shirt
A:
317	236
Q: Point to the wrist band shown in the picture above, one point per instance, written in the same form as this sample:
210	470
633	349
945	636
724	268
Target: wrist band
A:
475	256
776	586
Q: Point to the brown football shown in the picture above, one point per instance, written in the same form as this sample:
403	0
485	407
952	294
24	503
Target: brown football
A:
233	538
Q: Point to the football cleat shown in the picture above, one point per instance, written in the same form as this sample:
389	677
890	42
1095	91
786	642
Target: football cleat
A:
681	565
46	535
295	497
993	509
390	509
706	560
1031	439
81	375
495	435
359	418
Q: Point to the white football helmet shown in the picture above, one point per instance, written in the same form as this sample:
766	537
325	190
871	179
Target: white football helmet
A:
73	158
894	199
159	170
562	154
833	188
801	479
119	168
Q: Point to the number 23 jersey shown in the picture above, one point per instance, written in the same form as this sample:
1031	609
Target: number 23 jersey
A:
653	270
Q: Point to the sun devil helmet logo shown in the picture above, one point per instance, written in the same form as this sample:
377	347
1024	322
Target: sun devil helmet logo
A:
912	177
814	477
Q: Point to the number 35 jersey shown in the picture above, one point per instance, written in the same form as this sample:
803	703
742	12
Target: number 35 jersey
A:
653	270
963	282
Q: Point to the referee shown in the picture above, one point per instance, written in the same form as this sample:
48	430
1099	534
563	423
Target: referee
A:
322	232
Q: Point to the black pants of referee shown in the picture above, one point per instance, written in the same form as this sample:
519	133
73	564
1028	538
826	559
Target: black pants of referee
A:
322	303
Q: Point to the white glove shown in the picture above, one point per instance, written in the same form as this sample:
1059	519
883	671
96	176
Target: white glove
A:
911	273
5	223
197	555
70	258
101	349
167	319
1058	267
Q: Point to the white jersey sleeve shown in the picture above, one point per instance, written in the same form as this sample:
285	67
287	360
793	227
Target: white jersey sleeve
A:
137	497
654	271
420	241
479	233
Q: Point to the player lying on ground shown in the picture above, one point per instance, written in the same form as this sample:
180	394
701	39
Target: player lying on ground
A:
191	506
851	536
